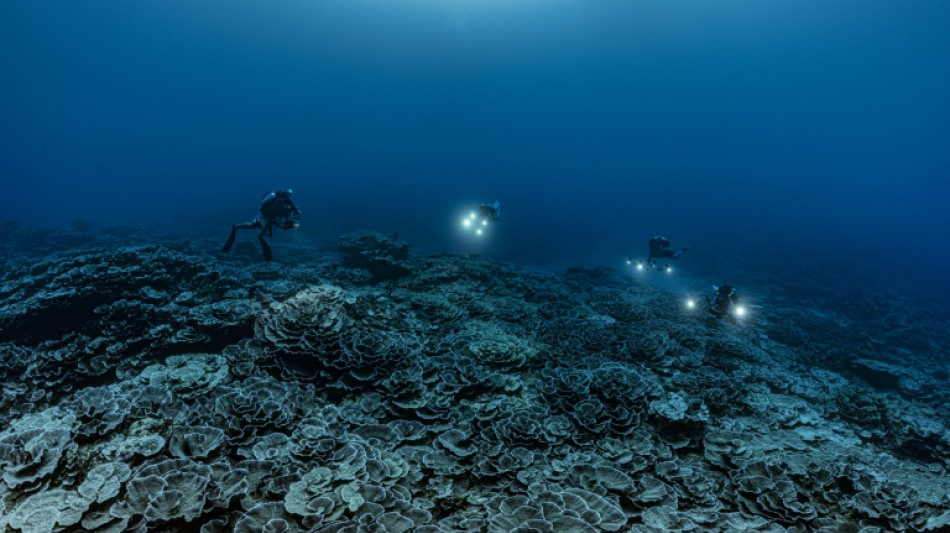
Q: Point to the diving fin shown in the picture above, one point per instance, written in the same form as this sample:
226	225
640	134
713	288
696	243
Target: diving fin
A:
230	241
267	253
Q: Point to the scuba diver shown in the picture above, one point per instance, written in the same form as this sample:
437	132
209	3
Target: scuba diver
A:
278	210
487	213
490	212
659	248
725	304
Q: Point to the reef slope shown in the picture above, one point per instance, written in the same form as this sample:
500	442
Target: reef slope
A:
162	388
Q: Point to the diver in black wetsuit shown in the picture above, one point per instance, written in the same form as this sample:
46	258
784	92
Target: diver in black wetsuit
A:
725	304
278	210
660	248
490	212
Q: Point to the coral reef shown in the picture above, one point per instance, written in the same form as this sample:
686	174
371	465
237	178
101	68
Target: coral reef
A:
383	255
155	388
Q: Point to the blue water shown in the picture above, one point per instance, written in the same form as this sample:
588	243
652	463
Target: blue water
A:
819	126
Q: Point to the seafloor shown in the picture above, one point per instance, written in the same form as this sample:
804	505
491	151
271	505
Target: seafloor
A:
151	384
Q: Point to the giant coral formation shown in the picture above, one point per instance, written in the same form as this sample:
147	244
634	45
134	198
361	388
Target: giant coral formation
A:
151	389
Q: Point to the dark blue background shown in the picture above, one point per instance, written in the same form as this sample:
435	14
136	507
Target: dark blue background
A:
822	125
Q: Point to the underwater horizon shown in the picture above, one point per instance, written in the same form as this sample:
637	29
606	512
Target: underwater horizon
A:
254	278
597	125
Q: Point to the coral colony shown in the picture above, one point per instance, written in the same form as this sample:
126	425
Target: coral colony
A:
161	388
